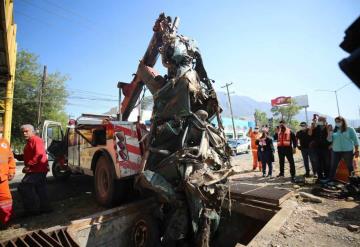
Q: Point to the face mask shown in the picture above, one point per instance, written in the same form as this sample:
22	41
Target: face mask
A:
320	123
303	127
338	124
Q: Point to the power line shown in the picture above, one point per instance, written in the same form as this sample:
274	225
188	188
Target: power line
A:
89	97
76	90
56	14
36	101
91	92
42	21
72	12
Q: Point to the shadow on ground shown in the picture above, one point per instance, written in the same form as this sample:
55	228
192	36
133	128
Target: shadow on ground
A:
341	217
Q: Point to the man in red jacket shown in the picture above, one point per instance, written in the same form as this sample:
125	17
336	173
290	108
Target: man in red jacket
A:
33	186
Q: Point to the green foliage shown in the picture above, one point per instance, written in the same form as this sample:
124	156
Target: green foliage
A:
26	95
287	113
147	102
260	118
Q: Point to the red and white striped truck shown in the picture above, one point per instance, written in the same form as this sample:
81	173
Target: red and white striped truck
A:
99	146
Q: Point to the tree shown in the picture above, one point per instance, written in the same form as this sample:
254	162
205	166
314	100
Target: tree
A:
27	84
147	102
287	113
260	118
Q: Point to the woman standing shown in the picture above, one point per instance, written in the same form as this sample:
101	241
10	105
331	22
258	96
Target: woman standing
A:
266	153
345	145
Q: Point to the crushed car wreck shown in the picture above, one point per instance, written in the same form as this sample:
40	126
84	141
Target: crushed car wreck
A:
187	160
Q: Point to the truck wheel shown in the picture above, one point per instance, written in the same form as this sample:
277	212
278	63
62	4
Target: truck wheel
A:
145	232
105	184
59	172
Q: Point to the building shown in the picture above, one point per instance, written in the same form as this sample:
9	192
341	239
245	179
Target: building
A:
241	127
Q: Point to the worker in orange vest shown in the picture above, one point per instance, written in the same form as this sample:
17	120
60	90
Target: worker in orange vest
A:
286	143
7	173
254	136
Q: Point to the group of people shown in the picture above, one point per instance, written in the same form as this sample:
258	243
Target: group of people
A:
324	146
320	144
32	188
263	149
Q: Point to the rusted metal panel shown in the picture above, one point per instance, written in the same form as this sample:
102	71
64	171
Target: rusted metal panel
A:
260	194
53	238
49	239
239	188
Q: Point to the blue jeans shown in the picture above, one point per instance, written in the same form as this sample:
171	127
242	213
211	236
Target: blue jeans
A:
309	154
335	159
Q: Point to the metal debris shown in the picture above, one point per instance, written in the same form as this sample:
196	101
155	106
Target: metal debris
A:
188	162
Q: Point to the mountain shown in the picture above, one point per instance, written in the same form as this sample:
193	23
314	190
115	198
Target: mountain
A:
244	107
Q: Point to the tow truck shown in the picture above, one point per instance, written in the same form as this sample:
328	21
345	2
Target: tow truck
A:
98	146
110	149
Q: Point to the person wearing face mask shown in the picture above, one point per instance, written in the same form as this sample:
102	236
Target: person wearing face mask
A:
345	145
254	135
304	140
286	142
321	147
266	153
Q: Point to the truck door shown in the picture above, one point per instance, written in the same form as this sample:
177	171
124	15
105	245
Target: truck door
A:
51	132
73	147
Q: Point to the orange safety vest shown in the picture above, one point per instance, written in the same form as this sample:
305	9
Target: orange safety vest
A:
7	162
284	138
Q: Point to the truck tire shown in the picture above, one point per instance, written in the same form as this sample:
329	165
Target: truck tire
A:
106	192
145	232
59	173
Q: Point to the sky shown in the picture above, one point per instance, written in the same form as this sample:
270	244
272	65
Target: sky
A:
266	48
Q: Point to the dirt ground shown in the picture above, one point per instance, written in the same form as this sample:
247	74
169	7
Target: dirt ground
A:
71	200
311	224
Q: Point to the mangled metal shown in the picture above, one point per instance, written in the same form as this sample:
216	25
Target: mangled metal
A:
187	161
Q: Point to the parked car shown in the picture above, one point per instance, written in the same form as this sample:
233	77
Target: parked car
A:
243	145
239	146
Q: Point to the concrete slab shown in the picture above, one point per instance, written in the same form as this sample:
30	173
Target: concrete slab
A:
272	228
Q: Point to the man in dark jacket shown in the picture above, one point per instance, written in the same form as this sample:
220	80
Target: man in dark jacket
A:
33	186
286	142
321	147
304	140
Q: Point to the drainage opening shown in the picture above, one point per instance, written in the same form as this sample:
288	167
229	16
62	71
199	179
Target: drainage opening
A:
236	229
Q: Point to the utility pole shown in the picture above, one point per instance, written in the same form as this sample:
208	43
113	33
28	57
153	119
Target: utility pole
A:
41	95
336	95
231	112
337	102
